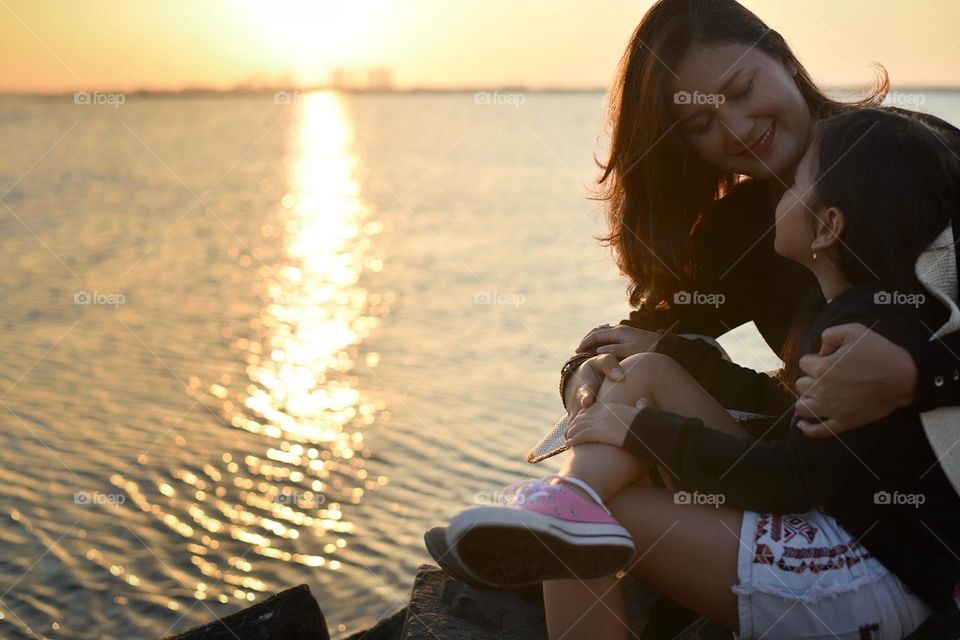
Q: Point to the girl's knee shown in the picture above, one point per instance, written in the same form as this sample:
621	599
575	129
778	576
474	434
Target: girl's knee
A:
648	361
643	371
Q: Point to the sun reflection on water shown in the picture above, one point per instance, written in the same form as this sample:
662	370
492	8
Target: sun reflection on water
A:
282	499
315	309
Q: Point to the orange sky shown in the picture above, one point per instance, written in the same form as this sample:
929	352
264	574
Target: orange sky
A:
66	45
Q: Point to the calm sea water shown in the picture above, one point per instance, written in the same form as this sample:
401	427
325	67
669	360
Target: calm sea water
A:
249	345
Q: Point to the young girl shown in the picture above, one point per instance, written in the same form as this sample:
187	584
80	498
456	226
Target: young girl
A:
881	547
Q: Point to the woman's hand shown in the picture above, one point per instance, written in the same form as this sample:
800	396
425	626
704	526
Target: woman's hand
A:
604	422
857	378
621	341
613	344
584	383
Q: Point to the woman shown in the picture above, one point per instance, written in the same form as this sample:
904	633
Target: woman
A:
681	224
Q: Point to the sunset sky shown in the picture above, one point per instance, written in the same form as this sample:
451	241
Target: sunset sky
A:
54	46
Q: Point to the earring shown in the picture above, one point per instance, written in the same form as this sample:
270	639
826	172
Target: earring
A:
814	252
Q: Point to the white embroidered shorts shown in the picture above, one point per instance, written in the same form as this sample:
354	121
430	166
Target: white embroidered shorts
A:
801	576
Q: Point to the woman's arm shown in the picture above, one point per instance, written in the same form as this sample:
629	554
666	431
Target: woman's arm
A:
857	386
733	386
622	341
937	378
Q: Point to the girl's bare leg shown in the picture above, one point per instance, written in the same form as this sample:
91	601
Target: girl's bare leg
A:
668	386
586	609
687	552
674	541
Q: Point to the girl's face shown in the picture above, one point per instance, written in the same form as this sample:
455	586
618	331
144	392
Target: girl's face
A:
795	215
740	110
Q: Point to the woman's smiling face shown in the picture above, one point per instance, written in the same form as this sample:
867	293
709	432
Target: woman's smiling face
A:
740	110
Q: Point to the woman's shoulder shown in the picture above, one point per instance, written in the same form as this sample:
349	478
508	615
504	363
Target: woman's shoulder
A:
749	194
744	209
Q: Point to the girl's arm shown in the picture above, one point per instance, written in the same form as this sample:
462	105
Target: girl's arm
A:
758	475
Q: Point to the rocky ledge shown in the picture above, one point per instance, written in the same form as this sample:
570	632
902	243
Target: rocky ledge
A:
441	607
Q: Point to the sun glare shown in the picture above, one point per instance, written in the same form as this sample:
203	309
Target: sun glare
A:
308	35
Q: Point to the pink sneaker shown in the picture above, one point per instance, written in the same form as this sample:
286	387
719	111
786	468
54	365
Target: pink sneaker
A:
542	532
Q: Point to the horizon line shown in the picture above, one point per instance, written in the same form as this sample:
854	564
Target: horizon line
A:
241	89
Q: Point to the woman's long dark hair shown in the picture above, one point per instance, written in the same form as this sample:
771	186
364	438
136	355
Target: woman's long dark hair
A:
655	188
898	185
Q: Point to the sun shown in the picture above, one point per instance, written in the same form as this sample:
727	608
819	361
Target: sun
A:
305	35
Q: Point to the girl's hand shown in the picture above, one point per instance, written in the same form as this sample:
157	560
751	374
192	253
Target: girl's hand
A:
604	422
621	341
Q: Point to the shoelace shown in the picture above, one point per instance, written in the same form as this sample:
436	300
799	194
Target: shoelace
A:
533	490
525	489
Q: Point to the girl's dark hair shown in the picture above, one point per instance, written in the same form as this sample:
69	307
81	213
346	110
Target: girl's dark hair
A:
897	183
655	188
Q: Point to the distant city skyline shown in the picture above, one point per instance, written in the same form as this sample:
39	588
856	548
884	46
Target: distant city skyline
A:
118	45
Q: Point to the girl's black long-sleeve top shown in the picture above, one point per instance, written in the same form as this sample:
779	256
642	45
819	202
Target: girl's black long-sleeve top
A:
882	482
758	285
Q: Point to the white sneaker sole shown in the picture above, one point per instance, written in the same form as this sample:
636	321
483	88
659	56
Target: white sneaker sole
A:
513	547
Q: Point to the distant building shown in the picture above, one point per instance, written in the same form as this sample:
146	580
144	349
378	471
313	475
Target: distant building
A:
380	78
354	78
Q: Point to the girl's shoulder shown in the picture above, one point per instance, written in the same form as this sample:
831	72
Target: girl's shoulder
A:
902	311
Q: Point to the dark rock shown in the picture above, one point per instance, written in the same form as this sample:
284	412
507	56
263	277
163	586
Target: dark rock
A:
441	607
390	628
289	615
668	619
